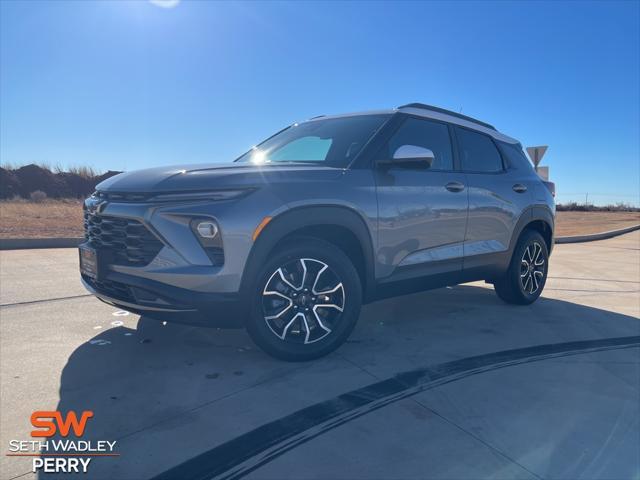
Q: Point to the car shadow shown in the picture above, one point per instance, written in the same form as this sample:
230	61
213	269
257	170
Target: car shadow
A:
156	375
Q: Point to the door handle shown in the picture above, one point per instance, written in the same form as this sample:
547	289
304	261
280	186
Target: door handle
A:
454	186
518	187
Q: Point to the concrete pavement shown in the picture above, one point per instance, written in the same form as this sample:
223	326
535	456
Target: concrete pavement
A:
169	394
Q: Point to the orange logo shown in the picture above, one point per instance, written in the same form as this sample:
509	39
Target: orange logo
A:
53	422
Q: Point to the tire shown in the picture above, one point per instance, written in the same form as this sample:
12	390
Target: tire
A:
305	301
525	279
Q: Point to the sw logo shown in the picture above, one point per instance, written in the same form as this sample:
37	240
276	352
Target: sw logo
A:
45	420
68	458
60	447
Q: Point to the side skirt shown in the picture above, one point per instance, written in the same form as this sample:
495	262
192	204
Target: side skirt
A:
407	280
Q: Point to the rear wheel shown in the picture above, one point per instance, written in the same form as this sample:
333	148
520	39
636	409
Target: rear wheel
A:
306	301
524	281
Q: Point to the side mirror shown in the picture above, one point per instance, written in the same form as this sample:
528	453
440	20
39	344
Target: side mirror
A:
414	155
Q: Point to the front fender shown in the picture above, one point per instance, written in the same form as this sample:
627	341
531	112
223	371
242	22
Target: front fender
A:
298	218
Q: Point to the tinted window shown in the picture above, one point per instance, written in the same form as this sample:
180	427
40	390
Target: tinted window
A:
426	134
477	152
515	156
304	149
332	141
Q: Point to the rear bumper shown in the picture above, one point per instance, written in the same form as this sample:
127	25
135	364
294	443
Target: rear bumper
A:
168	303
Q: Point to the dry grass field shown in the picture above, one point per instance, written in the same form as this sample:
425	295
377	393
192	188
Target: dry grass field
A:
51	218
582	223
63	218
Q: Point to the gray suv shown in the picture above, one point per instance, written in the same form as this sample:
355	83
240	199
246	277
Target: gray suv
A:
294	236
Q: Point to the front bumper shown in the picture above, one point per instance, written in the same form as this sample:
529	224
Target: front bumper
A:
168	303
174	281
181	283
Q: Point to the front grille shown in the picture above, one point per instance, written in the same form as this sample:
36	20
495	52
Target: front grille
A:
115	290
128	241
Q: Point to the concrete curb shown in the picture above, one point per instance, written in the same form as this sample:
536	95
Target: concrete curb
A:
26	243
596	236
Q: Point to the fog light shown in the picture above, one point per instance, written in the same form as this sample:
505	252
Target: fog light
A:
207	229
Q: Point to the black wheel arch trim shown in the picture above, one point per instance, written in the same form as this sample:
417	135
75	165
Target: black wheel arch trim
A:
534	213
309	216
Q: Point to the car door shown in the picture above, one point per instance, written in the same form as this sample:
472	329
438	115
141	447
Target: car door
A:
422	207
497	196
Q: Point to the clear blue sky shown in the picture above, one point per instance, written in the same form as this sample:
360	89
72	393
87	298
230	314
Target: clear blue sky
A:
126	85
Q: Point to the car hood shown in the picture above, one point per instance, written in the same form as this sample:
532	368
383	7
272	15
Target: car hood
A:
200	177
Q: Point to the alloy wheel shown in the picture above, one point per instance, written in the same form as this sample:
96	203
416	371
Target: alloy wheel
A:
303	301
532	268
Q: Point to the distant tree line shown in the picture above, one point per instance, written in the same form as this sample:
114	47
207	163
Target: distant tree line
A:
588	207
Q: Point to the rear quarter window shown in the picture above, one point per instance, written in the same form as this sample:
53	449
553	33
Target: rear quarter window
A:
515	157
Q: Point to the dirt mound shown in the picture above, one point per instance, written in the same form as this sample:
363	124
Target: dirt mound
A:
30	178
79	186
9	184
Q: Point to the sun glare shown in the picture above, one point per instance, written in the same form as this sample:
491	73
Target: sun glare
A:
258	156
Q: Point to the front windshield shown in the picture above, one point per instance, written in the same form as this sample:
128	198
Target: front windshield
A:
333	142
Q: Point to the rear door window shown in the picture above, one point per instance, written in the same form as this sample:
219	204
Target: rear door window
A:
477	152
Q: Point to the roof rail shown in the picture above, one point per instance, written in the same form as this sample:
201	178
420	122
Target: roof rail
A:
447	112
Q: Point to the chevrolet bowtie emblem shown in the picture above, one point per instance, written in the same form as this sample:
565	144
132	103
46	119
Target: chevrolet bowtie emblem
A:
97	207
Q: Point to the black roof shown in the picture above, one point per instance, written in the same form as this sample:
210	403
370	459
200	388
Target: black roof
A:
448	112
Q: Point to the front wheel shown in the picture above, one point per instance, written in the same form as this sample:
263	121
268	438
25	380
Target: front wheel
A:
523	282
306	301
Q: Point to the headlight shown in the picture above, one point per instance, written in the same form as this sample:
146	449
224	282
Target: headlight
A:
207	232
215	195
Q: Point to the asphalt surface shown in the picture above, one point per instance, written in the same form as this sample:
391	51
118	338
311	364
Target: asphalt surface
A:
449	384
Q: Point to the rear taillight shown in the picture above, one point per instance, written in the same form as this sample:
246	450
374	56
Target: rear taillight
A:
551	186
